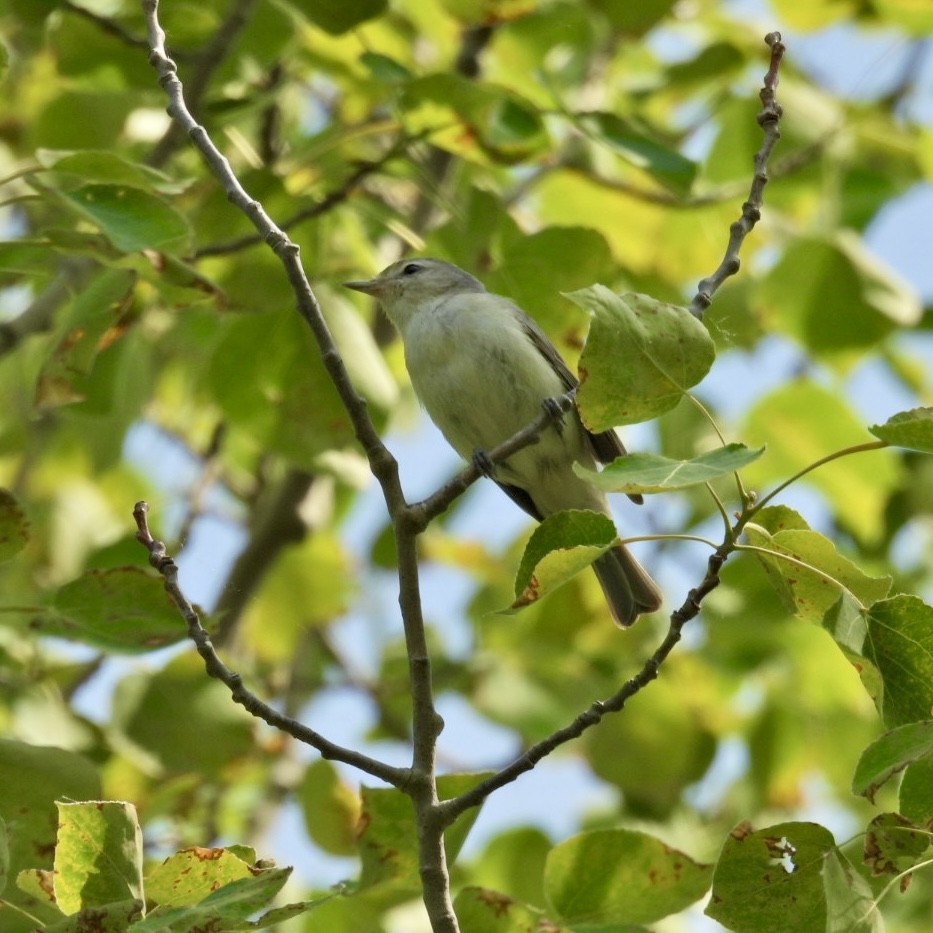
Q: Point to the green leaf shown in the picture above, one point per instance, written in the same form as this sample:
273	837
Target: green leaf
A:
911	429
771	879
115	917
14	527
513	861
900	644
669	730
120	609
309	586
812	583
189	876
33	778
148	706
95	321
913	16
228	906
266	395
649	473
915	795
640	358
617	876
633	19
387	840
893	844
890	755
132	219
336	17
478	121
98	854
664	164
536	268
482	910
98	165
559	548
851	905
802	422
815	14
843	297
331	809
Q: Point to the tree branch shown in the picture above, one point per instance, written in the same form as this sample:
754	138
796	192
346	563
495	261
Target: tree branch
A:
216	668
329	201
769	119
205	65
428	509
105	24
593	715
426	724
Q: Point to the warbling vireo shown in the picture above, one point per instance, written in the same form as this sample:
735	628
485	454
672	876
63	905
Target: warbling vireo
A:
482	368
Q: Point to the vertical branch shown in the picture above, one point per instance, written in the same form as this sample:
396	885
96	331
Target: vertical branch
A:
426	724
769	120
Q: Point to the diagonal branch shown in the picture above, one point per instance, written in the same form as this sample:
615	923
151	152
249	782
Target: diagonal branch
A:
217	669
593	715
769	119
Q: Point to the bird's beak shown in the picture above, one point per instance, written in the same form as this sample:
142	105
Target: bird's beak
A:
367	286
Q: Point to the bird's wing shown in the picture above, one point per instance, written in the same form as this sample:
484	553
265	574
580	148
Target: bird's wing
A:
607	445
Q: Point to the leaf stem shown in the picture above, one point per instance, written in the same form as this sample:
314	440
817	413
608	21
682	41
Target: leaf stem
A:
836	455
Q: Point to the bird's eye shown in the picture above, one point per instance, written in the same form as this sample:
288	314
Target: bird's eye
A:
411	269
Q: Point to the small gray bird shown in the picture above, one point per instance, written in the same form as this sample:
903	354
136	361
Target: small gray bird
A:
482	369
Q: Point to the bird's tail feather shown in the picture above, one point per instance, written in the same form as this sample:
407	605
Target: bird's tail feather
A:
629	589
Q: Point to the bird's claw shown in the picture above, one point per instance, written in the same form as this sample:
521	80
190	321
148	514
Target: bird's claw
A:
482	463
553	407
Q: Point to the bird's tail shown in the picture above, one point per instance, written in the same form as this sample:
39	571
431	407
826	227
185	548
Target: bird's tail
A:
629	589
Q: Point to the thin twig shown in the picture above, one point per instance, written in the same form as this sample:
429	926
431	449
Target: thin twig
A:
329	201
166	566
204	67
594	714
105	24
769	119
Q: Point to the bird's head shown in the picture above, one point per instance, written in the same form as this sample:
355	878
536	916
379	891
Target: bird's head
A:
410	283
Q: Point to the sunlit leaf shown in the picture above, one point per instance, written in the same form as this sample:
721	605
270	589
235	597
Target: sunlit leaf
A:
843	297
900	643
630	877
131	218
640	357
651	473
336	17
488	911
560	547
912	429
662	163
890	755
815	574
98	854
765	876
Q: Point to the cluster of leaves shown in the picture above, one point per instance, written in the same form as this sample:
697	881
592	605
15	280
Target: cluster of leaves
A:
541	145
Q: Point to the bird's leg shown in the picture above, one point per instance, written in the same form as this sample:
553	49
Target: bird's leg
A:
482	463
556	412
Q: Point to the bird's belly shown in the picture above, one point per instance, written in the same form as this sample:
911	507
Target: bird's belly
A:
480	390
474	388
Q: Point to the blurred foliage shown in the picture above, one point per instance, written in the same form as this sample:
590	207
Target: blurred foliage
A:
149	349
